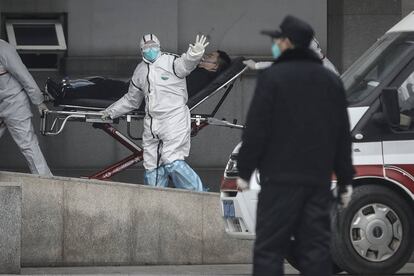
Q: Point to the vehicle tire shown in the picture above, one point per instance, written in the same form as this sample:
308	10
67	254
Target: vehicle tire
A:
374	234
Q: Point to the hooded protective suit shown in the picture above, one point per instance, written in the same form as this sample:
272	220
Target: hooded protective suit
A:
167	124
314	45
16	84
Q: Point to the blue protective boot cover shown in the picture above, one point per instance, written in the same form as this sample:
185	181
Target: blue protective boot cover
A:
183	176
151	178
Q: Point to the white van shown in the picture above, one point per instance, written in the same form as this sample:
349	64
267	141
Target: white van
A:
375	234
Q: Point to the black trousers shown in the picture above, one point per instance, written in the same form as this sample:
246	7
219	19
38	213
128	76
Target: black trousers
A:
293	210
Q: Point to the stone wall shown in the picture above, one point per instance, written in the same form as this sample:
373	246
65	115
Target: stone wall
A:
71	222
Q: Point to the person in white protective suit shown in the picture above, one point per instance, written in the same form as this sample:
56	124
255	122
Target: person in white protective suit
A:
314	45
406	101
16	85
160	80
406	95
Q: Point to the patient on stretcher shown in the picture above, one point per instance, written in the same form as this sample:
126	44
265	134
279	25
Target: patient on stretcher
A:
100	88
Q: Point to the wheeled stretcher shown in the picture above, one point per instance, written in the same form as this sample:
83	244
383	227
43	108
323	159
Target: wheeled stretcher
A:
85	110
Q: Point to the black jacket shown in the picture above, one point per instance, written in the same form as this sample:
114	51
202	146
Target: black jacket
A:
199	79
297	128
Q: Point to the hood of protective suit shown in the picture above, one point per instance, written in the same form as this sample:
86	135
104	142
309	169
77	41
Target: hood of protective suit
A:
314	45
149	37
145	40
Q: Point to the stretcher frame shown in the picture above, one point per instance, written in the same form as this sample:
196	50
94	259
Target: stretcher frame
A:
53	122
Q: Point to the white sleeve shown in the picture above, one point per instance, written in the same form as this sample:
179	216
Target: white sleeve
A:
263	65
185	64
130	101
14	65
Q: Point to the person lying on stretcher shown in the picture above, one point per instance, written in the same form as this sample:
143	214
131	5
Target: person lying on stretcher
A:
211	65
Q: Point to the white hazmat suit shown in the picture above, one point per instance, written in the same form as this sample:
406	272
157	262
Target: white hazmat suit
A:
16	85
167	124
326	62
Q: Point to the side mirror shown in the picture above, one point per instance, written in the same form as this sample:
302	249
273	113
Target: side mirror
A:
390	106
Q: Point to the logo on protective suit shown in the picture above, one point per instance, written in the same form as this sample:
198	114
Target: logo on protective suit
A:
164	77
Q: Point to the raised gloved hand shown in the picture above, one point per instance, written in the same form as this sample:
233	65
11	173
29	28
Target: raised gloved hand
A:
344	195
242	184
250	63
42	107
105	115
199	45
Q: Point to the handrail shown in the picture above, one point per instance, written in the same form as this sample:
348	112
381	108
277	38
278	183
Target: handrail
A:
219	89
62	126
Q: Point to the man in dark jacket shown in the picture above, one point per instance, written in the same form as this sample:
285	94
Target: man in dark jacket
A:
297	134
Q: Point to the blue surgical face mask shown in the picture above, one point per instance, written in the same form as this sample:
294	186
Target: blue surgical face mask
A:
276	50
151	54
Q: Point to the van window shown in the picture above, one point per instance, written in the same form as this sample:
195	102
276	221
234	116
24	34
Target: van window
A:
370	70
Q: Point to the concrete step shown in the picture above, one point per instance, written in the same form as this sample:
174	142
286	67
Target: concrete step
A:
79	222
211	177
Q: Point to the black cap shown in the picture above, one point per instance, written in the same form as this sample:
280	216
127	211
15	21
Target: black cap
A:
297	30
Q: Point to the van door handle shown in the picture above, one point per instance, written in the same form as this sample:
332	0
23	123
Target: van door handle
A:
359	136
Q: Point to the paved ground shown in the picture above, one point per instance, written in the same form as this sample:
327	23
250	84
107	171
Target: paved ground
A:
194	270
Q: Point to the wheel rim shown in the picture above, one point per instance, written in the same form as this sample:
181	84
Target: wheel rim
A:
376	232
